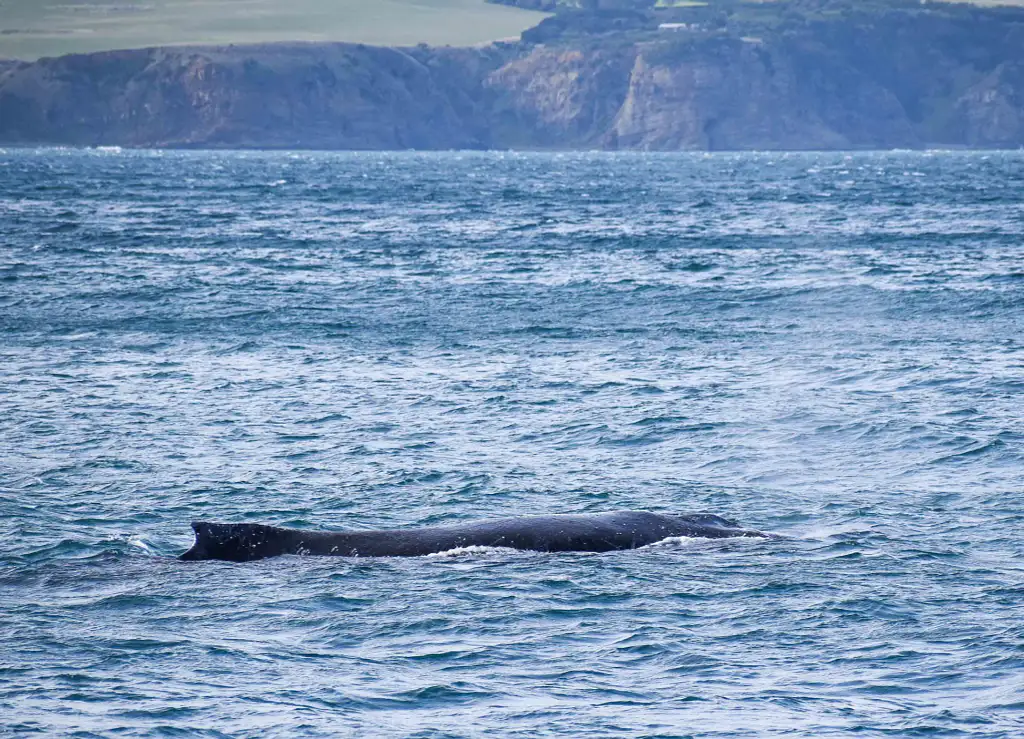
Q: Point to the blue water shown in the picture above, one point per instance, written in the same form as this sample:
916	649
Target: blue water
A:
825	346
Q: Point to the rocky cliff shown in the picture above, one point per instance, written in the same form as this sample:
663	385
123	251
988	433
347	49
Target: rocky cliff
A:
286	95
867	82
991	112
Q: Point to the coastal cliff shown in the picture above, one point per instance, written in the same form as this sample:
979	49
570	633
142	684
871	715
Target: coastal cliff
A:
868	82
282	95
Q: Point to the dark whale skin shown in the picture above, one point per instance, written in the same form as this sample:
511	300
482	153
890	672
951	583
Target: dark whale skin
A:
599	532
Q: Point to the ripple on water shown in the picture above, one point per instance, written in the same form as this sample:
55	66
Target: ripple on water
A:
823	346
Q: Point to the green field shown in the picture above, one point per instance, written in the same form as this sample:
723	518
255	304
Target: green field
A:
33	28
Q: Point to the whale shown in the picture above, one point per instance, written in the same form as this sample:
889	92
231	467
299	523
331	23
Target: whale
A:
594	532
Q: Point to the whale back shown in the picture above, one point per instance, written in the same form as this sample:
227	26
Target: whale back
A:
707	519
600	532
238	542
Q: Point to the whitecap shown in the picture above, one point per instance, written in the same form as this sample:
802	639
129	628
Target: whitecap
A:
140	543
473	549
677	542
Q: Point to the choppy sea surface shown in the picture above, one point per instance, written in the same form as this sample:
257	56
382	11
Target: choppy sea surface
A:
825	346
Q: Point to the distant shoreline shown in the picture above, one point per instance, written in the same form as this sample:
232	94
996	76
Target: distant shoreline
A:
942	77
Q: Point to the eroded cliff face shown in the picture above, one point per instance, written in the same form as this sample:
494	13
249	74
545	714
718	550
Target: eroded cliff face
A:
556	97
719	94
327	95
991	112
706	93
736	97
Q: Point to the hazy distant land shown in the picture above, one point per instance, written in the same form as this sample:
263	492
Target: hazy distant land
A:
616	74
30	29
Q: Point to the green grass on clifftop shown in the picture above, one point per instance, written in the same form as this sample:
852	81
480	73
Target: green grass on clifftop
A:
33	28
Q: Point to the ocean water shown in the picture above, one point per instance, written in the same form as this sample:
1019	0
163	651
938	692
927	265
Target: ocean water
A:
825	346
